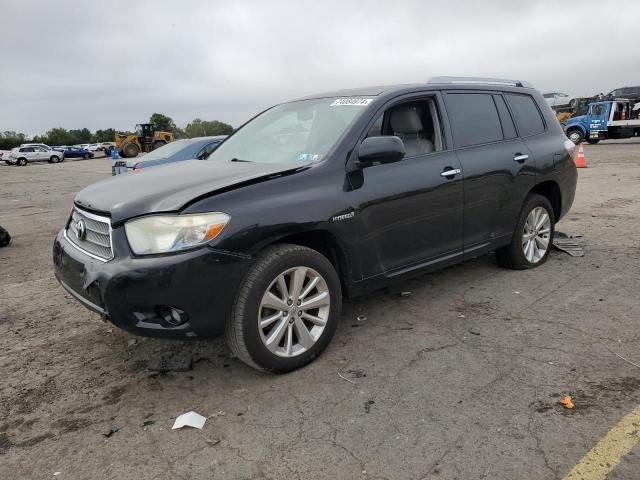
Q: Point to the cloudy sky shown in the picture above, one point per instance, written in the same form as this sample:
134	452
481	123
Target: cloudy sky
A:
111	64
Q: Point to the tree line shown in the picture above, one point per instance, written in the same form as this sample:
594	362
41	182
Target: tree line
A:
61	136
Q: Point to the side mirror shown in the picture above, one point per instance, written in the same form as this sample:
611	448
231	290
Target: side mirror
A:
380	150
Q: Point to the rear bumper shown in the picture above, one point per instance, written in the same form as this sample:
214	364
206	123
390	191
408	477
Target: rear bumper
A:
132	293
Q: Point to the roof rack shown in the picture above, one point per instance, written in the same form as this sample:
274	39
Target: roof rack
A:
480	81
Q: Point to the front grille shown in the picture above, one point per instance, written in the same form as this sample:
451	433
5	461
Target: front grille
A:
96	240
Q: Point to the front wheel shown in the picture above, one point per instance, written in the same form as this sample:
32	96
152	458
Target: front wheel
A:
286	310
532	239
54	159
85	156
575	136
22	162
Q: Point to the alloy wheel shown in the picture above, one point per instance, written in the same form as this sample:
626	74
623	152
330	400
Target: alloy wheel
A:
536	235
294	311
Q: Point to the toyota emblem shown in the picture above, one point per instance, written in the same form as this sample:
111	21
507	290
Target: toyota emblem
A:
81	229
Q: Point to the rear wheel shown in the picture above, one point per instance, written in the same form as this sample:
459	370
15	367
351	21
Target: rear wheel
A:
130	150
286	310
575	136
22	162
533	236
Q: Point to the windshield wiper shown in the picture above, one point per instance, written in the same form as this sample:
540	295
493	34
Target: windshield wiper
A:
239	160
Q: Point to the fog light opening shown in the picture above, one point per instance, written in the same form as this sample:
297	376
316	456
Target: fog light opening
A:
173	316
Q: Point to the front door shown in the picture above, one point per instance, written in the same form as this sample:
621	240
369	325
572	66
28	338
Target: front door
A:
411	211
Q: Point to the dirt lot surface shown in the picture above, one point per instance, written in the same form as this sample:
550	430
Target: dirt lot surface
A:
461	379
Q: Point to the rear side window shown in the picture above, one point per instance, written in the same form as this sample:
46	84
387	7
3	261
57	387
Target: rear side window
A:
474	118
508	129
526	114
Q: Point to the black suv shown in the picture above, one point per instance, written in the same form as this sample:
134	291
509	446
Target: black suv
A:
332	194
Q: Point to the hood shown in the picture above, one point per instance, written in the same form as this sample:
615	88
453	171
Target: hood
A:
171	187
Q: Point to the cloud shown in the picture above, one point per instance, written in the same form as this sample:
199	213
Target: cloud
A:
78	63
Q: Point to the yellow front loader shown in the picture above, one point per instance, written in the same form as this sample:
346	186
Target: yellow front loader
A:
145	139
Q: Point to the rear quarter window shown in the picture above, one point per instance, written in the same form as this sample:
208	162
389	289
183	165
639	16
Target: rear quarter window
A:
526	114
474	118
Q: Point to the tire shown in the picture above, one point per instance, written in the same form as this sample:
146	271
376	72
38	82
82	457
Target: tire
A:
7	162
575	136
22	162
85	156
593	141
248	341
130	150
158	144
54	159
513	255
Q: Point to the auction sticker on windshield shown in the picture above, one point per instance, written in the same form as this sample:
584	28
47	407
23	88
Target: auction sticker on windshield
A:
351	101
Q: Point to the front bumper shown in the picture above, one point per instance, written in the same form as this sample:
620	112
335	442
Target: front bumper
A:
132	292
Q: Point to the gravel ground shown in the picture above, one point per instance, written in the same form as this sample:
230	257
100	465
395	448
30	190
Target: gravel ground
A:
458	380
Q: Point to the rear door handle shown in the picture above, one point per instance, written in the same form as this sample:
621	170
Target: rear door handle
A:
520	158
451	172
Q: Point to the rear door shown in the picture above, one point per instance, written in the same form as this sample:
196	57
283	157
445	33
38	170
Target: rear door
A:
497	166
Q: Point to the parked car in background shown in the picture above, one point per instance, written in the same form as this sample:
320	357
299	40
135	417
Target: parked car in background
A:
624	92
557	99
106	147
188	149
29	154
77	152
94	147
330	194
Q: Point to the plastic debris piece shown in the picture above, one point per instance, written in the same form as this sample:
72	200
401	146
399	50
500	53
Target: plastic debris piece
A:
405	294
55	474
220	413
565	243
567	402
213	441
111	431
473	331
165	364
361	318
146	423
189	419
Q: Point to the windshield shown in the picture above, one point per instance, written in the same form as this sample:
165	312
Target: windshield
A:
297	132
166	150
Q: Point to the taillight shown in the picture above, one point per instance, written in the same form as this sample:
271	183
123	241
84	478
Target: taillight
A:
571	149
137	167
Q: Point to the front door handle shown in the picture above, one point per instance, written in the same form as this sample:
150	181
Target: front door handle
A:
451	172
520	157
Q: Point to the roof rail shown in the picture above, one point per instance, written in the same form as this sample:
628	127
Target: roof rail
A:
481	81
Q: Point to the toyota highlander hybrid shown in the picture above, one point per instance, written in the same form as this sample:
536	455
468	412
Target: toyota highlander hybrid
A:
330	195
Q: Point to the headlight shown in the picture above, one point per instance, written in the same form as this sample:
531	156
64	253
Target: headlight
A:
171	233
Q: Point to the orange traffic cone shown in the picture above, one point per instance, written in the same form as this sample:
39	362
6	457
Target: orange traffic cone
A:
581	161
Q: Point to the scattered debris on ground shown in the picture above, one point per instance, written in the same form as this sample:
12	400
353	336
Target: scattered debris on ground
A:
164	364
367	405
345	378
565	243
361	318
213	441
146	423
111	431
405	294
356	373
189	419
567	402
473	331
